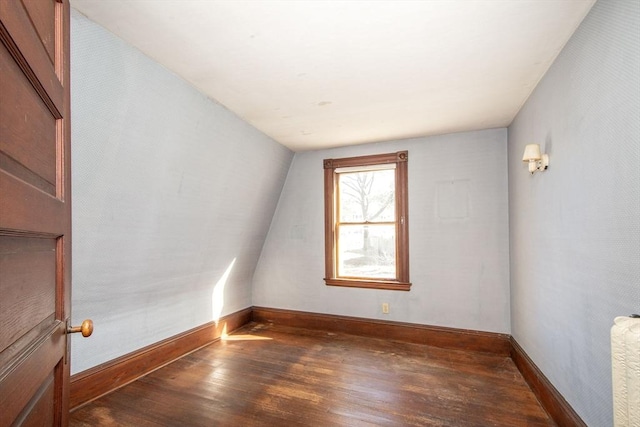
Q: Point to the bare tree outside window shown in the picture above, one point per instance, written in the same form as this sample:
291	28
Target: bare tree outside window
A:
366	226
366	221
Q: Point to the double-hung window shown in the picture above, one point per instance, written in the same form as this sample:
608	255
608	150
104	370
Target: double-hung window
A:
366	222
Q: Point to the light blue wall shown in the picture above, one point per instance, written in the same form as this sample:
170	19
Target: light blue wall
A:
161	210
459	266
575	229
169	188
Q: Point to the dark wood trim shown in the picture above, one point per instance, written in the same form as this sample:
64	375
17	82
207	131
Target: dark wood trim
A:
18	170
107	377
402	212
329	219
16	33
100	380
390	285
281	376
400	159
550	398
374	159
458	339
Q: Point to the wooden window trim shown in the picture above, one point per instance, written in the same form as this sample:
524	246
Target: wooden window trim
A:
400	159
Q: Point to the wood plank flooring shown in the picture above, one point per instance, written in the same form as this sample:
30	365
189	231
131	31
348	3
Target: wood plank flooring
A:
267	375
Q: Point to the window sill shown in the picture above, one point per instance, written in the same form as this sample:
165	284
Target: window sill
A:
370	284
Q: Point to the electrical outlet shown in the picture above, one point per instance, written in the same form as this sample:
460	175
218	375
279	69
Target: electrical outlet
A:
385	308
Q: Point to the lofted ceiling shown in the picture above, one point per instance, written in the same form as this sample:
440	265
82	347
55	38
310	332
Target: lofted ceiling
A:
316	74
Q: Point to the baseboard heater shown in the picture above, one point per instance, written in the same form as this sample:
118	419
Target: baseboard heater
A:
625	364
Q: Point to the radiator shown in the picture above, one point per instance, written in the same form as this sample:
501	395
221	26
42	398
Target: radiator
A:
625	364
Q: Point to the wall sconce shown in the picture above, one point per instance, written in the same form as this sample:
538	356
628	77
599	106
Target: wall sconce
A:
537	161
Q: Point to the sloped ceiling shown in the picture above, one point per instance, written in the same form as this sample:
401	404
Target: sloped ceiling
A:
319	74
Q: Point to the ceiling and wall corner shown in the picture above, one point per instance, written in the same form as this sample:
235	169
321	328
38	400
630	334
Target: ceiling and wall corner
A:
317	74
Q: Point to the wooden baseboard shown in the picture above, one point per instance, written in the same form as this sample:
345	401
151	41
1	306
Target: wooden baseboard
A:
550	398
458	339
102	379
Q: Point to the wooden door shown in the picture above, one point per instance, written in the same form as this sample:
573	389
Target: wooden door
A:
35	212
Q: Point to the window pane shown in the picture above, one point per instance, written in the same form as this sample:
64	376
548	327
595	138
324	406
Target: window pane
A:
367	196
367	251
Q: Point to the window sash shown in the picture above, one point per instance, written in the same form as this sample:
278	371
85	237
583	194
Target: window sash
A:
366	168
347	193
342	269
398	161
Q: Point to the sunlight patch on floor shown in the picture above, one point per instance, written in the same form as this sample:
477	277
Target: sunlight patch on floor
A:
224	336
244	337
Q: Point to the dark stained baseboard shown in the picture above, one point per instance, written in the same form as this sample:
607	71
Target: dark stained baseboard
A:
107	377
458	339
550	398
102	379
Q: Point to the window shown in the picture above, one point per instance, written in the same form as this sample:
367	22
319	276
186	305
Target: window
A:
366	222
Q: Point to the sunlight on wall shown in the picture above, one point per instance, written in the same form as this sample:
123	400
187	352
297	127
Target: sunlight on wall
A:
217	296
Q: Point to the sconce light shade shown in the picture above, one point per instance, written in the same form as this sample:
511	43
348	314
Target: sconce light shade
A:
531	152
536	160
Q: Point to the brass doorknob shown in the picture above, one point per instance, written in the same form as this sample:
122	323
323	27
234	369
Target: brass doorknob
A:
86	328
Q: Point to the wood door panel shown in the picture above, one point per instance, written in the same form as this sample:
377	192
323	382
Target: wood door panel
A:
42	14
18	170
37	413
17	212
35	212
28	267
26	47
27	130
33	367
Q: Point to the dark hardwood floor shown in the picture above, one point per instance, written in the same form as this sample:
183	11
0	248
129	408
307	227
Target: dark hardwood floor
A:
266	375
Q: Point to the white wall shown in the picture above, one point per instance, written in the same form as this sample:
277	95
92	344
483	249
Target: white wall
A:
575	229
459	267
169	188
